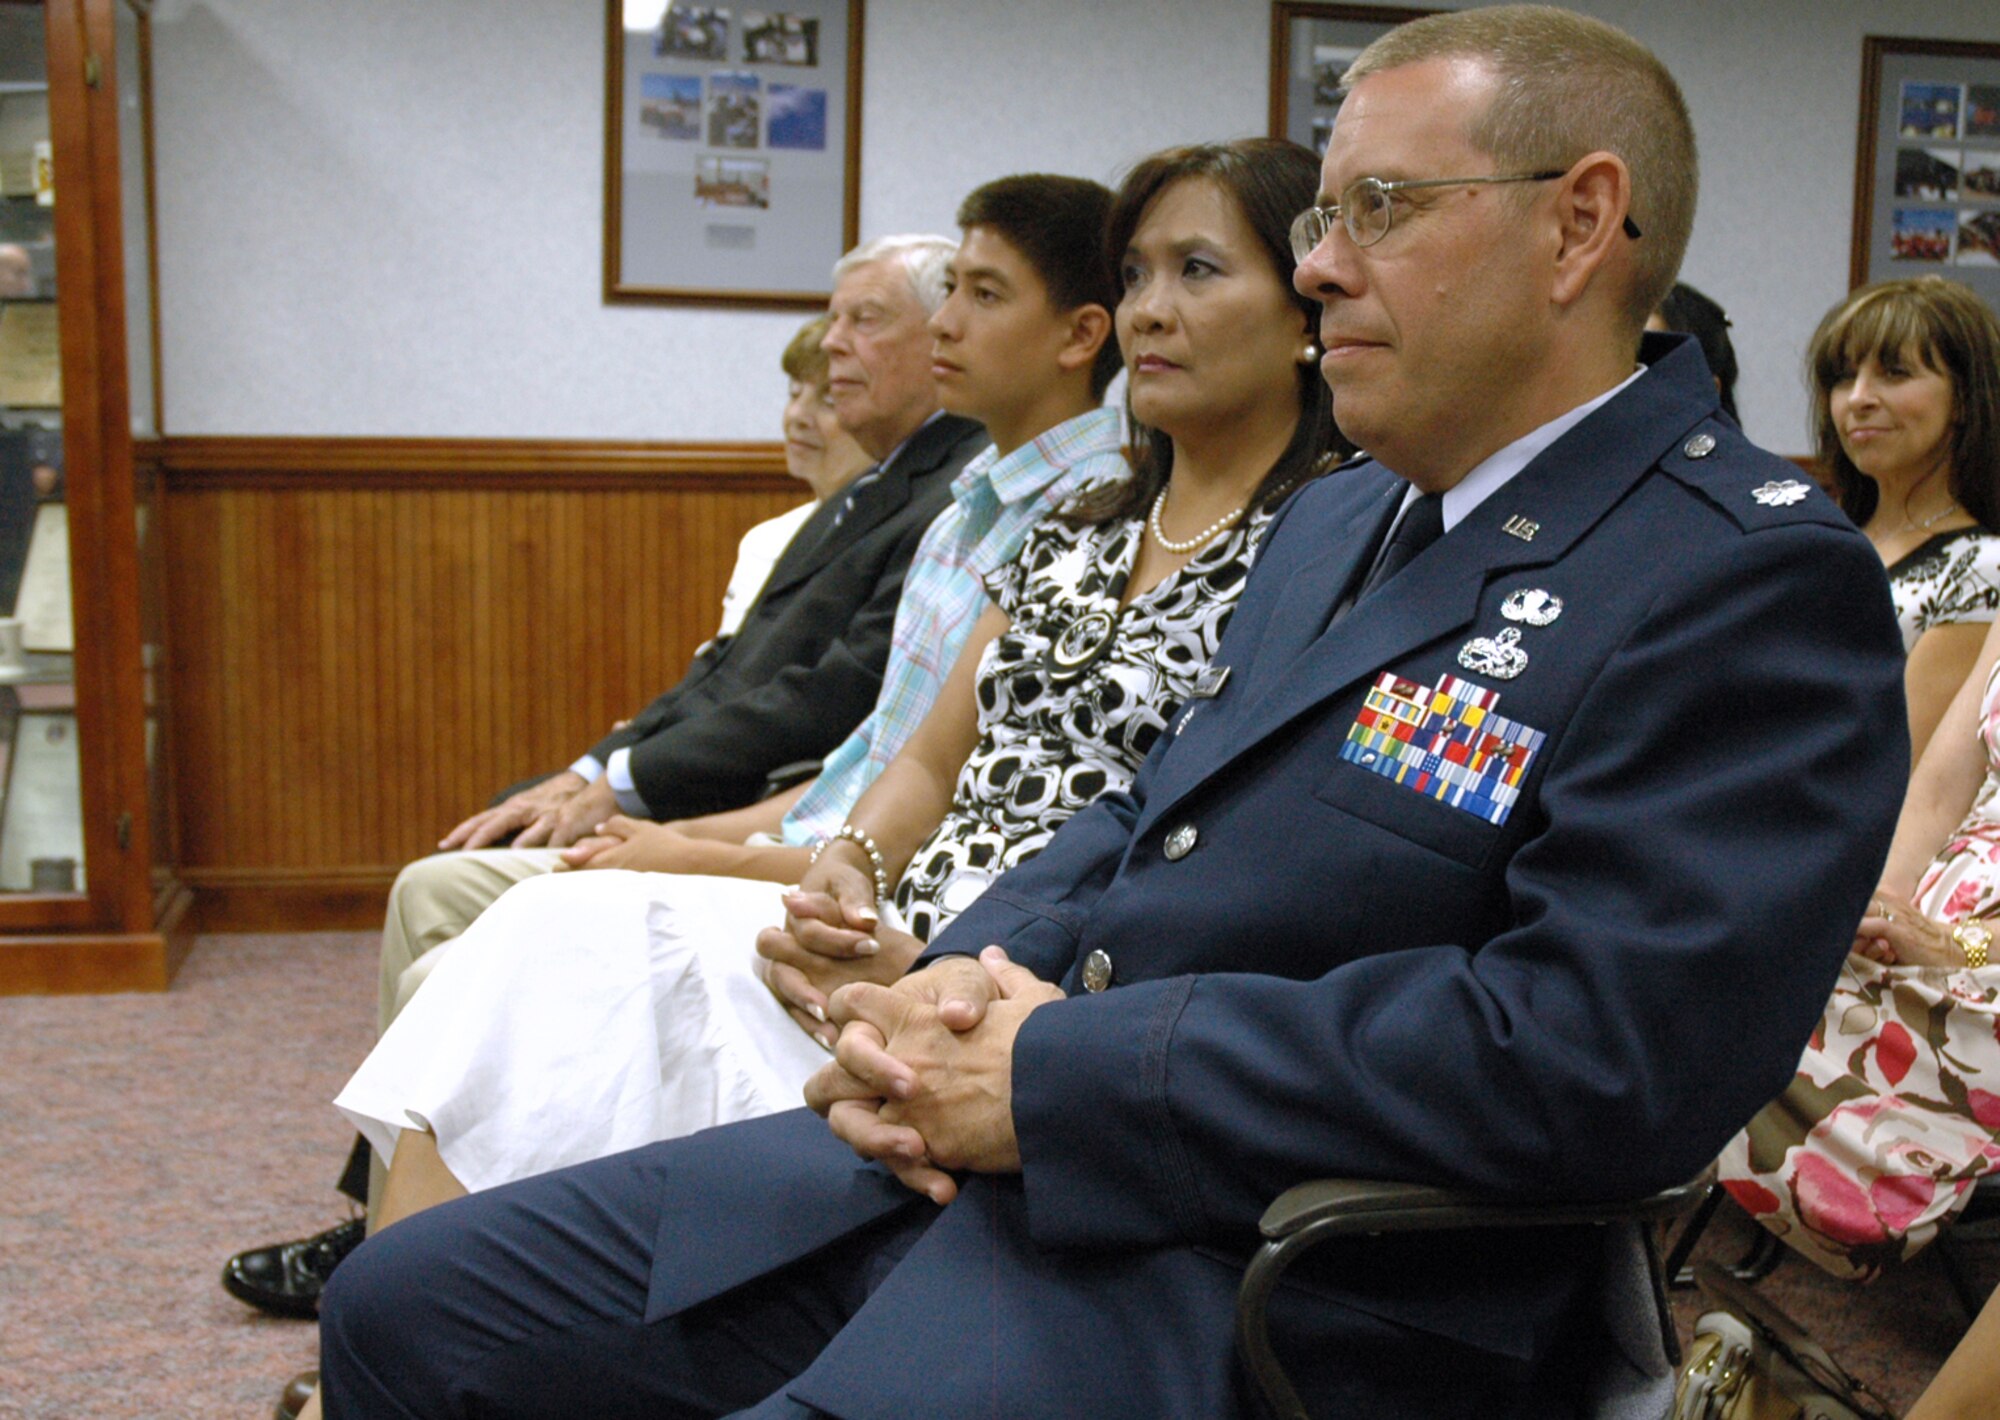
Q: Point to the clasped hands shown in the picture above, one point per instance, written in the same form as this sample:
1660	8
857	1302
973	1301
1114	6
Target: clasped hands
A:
922	1074
1895	932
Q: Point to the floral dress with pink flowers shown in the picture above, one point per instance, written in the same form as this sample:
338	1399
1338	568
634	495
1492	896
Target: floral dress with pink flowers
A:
1895	1110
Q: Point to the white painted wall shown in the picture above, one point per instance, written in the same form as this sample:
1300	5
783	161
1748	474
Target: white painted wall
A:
383	217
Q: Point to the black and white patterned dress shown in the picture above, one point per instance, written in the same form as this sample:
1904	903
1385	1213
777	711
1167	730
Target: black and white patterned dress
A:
1049	745
1953	577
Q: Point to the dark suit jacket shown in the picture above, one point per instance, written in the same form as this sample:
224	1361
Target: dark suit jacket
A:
1344	975
805	667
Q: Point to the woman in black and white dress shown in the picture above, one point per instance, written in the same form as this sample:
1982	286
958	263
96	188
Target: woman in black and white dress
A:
590	1024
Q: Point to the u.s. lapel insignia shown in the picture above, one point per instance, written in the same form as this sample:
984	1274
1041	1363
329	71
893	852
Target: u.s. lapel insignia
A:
1208	684
1532	605
1498	656
1780	495
1518	526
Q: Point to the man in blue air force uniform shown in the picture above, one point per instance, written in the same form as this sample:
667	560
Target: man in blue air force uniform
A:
1516	850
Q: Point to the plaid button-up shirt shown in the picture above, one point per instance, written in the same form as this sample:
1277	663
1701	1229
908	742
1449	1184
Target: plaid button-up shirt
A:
994	503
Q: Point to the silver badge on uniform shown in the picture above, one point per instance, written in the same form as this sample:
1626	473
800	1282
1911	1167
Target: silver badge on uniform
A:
1781	495
1532	605
1498	656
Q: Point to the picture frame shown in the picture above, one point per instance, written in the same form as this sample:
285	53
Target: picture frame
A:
1927	165
1308	41
732	149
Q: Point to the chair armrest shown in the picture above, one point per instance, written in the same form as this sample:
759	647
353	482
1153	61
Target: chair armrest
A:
1308	1214
1344	1207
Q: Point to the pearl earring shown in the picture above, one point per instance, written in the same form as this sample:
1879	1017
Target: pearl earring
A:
1309	354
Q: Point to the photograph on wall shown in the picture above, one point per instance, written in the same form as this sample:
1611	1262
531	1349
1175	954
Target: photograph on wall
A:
698	32
670	105
732	150
1930	110
798	118
1312	46
1927	174
1922	234
1980	178
732	182
734	110
1979	237
1982	111
1927	164
1330	63
780	39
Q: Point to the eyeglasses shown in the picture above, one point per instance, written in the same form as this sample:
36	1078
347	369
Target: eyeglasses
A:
1366	211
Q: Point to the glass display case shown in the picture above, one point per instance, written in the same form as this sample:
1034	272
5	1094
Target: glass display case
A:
87	899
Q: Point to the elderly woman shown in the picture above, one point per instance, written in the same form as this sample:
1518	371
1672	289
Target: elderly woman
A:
1894	1111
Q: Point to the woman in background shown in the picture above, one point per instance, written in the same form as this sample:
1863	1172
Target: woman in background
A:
1892	1114
1906	388
818	452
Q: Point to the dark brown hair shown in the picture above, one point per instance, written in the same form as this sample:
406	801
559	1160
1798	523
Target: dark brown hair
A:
1056	223
1943	327
1271	181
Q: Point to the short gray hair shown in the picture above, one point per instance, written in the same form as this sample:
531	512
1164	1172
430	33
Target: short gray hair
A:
1570	85
923	258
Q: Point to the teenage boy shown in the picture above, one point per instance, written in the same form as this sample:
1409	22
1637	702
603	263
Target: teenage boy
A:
1021	341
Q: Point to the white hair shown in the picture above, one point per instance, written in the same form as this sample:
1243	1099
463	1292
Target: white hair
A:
923	258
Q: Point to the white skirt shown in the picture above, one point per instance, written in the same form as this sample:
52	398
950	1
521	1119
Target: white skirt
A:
583	1014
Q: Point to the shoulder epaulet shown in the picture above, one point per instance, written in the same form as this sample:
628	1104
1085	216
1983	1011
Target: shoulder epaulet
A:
1755	487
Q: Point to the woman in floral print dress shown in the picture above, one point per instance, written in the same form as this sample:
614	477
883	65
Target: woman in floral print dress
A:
1895	1110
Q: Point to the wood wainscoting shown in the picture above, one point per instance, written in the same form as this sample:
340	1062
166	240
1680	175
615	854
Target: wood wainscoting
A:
367	637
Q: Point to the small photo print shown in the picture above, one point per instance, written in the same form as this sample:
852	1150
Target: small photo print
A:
670	105
1929	110
1330	63
1322	132
1979	238
798	118
780	39
1921	234
1980	178
732	182
733	110
693	32
1982	110
1927	174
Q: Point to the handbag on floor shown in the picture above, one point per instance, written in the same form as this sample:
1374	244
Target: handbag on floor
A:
1749	1361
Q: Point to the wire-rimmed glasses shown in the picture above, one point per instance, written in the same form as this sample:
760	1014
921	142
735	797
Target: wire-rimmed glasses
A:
1366	208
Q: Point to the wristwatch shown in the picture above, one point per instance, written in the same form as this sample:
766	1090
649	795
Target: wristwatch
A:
1973	940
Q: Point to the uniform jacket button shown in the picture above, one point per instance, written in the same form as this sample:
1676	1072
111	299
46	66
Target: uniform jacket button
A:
1096	971
1181	842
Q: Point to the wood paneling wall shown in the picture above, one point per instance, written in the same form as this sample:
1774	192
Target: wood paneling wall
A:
367	638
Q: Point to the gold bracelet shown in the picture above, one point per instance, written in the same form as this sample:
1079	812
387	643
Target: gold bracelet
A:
1973	940
860	838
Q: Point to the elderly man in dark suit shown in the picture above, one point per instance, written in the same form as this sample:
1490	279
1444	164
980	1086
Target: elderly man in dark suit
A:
1553	755
799	674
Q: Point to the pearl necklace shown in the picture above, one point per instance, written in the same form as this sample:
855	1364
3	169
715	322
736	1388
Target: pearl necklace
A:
1206	535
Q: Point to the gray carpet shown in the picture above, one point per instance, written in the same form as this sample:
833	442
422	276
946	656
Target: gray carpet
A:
148	1137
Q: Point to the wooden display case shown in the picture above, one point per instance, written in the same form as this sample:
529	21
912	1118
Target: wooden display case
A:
88	901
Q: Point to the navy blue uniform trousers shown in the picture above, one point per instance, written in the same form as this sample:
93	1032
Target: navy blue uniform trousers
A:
556	1291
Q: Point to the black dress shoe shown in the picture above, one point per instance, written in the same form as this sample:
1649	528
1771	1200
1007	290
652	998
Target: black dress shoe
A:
298	1391
285	1278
